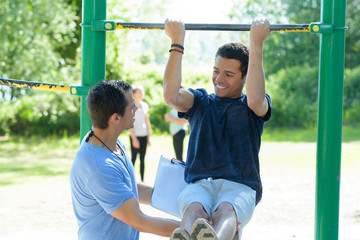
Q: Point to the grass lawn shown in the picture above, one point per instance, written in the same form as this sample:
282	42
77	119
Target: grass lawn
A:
35	193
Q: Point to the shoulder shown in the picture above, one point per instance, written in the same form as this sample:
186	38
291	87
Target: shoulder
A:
144	105
200	93
267	116
84	151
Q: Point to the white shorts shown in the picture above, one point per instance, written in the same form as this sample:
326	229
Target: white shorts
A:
210	193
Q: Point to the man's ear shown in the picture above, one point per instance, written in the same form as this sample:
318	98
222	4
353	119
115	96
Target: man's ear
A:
115	119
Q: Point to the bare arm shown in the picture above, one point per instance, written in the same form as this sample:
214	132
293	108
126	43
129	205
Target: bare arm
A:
145	193
255	81
148	128
180	99
130	213
135	141
168	118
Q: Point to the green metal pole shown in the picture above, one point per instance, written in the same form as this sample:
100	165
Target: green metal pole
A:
331	81
93	55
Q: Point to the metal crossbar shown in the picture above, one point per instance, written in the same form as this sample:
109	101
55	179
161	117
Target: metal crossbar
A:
34	85
213	27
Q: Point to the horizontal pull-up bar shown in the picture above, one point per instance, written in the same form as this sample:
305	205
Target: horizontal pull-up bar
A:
34	85
214	27
113	25
107	25
74	90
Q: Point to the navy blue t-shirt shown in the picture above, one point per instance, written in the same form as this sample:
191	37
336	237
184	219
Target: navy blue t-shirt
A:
225	140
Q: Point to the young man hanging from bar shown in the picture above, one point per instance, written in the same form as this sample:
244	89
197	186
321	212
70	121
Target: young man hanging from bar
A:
222	166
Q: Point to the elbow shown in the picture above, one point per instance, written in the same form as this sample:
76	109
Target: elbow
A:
170	93
137	222
253	102
138	228
170	99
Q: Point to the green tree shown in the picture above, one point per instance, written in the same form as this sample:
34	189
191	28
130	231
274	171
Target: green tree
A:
33	35
352	96
294	97
291	60
352	44
283	49
41	42
34	47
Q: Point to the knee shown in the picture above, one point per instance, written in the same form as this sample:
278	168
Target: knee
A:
224	209
197	210
226	206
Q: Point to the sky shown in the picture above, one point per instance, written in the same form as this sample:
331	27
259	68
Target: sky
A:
201	11
200	46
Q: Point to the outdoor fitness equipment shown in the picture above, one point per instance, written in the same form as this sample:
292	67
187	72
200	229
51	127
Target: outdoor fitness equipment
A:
331	81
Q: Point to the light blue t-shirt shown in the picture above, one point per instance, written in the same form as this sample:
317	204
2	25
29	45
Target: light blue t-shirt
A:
100	183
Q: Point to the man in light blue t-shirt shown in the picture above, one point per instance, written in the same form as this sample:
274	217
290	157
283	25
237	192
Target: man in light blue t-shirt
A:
105	195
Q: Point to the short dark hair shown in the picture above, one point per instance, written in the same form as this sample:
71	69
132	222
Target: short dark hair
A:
106	98
237	51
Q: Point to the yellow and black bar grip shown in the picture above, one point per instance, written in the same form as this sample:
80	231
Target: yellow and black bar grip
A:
109	25
73	90
315	27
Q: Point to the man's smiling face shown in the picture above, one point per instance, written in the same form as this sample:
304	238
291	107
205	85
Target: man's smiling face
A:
227	78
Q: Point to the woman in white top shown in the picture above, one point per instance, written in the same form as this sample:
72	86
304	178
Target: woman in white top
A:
140	134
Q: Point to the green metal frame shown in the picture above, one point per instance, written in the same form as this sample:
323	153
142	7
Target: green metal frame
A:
93	55
331	81
331	76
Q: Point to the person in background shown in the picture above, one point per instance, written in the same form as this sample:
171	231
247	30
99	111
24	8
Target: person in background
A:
178	129
141	132
104	192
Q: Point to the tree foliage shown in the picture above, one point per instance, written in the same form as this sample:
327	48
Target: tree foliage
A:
34	46
352	96
34	36
40	41
294	94
352	45
291	61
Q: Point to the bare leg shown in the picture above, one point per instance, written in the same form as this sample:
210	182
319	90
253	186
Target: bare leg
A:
224	221
193	212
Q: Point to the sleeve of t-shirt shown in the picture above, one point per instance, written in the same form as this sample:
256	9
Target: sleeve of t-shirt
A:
264	119
268	114
198	94
110	187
